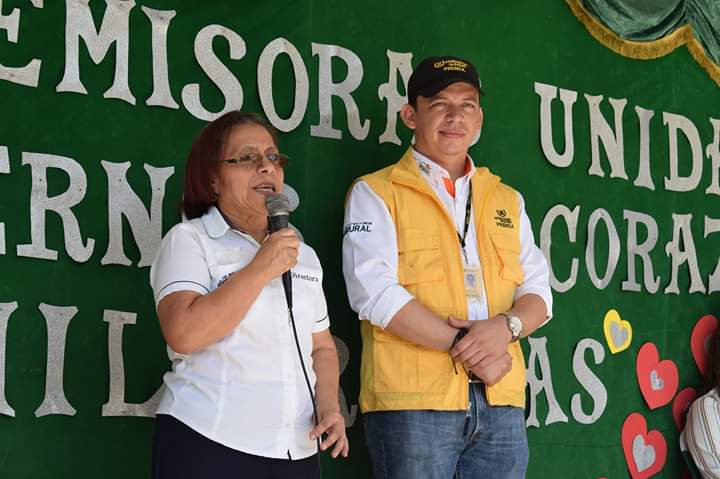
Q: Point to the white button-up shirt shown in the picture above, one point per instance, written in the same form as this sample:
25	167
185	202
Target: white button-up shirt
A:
246	391
370	254
702	433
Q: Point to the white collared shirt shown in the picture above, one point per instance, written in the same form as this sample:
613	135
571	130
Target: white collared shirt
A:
246	391
702	433
370	248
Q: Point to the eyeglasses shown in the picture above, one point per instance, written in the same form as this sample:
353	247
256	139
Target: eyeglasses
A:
255	159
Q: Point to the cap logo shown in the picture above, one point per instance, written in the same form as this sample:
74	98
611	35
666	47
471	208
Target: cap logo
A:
451	65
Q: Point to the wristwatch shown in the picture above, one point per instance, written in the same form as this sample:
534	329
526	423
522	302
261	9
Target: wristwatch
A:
514	325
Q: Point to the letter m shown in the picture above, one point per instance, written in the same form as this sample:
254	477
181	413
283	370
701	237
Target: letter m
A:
114	29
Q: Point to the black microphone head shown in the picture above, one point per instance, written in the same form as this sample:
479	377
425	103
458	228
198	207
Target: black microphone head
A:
277	205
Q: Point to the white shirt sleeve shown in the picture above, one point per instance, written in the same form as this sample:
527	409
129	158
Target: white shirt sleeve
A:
369	251
534	265
702	435
322	319
180	264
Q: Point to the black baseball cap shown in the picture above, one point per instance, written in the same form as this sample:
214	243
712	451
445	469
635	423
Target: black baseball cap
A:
436	73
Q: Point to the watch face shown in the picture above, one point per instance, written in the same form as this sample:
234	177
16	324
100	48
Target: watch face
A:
515	325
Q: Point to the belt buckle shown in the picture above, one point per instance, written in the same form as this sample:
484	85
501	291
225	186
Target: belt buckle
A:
472	379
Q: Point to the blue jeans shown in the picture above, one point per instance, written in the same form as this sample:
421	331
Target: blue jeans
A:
485	442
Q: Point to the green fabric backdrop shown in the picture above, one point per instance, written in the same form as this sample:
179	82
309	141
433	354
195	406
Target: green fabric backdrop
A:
647	20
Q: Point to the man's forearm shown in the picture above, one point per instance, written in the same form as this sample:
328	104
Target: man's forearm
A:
416	323
532	311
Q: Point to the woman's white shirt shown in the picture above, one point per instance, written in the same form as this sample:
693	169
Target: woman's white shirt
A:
246	391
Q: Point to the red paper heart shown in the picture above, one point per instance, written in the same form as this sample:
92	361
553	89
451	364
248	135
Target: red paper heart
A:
680	406
702	331
645	452
658	380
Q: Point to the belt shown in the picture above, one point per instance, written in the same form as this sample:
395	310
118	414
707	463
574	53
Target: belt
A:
472	379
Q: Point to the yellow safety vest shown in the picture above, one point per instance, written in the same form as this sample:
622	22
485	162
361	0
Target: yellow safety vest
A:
400	375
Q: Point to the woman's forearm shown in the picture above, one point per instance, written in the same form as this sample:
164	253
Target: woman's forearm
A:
327	371
191	321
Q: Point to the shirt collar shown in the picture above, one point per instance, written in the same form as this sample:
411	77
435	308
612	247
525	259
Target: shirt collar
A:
214	223
437	176
433	170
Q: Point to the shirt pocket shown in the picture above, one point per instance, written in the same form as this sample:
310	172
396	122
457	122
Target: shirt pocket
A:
508	254
221	272
419	256
309	306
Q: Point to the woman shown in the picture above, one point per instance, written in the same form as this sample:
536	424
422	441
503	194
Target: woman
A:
701	434
237	403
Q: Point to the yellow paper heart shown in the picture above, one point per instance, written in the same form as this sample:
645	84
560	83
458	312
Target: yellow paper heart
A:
618	333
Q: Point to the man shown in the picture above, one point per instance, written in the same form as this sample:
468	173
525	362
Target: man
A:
430	243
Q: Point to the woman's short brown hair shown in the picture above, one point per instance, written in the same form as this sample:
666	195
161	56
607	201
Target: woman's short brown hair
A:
205	155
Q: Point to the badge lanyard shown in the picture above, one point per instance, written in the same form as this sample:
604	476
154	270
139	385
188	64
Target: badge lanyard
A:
473	277
467	223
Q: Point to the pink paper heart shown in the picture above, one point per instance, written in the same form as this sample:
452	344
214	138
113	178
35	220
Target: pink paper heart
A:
645	452
658	380
703	330
680	406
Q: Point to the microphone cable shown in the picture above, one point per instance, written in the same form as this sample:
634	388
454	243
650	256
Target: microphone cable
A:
307	378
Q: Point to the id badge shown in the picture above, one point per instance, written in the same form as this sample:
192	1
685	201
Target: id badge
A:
474	287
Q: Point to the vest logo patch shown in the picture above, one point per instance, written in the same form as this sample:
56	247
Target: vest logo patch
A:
358	227
502	221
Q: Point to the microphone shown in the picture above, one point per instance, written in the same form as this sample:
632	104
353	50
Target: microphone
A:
278	208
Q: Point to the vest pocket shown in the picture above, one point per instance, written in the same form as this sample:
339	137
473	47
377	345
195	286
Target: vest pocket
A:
509	255
400	366
395	366
419	258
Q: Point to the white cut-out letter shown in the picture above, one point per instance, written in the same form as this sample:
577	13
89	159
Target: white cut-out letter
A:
547	94
116	405
265	84
29	75
4	170
644	177
652	282
6	309
343	90
589	381
398	63
712	225
115	29
216	71
682	231
571	221
160	21
122	201
41	203
613	248
612	142
57	319
539	357
713	152
675	124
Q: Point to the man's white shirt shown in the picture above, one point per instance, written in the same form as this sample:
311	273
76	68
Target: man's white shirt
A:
370	252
